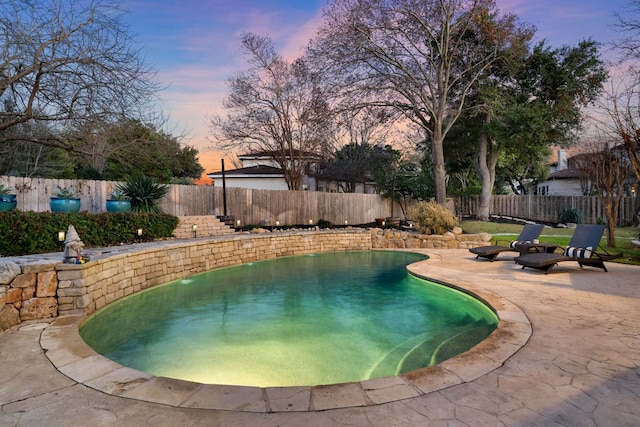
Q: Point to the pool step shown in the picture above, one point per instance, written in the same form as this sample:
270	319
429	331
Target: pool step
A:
422	350
388	364
460	343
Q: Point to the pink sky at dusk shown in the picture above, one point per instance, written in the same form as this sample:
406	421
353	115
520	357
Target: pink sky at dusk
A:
194	45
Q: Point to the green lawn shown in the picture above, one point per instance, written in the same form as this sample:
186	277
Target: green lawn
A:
561	236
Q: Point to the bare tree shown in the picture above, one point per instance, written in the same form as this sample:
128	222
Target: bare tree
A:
628	43
68	61
420	57
358	138
275	108
22	157
622	107
608	167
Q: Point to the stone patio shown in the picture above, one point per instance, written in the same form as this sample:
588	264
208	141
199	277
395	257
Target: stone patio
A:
580	366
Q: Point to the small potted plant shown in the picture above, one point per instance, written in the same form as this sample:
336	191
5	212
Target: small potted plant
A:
8	201
65	200
118	201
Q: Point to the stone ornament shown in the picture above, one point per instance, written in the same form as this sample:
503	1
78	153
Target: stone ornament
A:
72	246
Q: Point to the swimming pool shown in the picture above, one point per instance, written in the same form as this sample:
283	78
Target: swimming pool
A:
305	320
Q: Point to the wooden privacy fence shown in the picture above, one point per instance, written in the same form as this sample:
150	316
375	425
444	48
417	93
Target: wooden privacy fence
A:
33	194
248	205
299	207
547	208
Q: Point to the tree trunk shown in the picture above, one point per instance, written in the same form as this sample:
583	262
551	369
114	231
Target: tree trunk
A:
611	208
611	223
485	163
439	172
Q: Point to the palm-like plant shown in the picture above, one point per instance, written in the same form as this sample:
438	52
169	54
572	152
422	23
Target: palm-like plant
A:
144	193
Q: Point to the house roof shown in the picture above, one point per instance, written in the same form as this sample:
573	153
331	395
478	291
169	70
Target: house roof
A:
273	154
566	174
252	171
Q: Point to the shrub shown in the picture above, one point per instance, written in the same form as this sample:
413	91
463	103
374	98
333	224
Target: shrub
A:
249	227
571	215
36	232
432	218
144	193
323	223
182	181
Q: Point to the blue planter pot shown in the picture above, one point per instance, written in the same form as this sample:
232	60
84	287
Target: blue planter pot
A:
118	206
8	202
64	205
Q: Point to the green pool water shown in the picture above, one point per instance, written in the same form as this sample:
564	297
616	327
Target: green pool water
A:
304	320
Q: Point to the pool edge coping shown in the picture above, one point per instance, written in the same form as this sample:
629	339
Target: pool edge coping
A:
71	356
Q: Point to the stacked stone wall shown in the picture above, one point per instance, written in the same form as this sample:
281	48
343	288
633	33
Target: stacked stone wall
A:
33	288
104	281
27	293
395	239
37	290
207	226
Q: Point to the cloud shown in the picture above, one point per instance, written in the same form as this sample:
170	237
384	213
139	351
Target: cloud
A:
195	60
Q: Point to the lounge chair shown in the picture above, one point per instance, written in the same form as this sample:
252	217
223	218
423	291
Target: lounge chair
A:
527	235
582	248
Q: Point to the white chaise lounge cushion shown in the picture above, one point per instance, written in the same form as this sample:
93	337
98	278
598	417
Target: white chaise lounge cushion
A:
572	252
515	243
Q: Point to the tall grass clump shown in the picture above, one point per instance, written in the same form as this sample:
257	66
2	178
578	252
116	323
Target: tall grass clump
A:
432	218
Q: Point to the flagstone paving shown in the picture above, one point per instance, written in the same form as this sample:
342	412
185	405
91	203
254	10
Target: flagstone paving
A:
580	367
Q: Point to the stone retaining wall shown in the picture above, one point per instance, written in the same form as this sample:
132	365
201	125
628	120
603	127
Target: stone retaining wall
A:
41	286
27	292
392	238
32	288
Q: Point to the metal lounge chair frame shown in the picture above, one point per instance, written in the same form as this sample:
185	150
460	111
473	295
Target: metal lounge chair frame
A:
585	236
528	234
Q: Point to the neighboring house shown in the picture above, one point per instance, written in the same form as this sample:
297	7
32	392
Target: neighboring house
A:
566	179
260	172
566	182
563	180
258	177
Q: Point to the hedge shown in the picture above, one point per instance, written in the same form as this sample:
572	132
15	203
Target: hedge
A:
23	233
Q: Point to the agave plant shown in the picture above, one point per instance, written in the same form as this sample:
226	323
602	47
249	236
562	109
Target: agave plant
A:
118	194
65	193
4	190
144	193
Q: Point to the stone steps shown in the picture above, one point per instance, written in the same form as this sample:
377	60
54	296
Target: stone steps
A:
207	226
